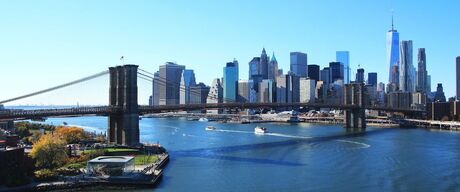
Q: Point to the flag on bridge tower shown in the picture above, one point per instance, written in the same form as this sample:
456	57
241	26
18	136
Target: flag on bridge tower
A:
122	59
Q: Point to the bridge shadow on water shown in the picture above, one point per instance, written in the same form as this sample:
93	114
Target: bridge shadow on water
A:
220	152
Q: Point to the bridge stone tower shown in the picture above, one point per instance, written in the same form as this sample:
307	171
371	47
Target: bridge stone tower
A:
355	117
123	126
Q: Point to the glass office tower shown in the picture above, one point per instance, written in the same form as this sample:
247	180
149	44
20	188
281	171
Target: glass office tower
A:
344	58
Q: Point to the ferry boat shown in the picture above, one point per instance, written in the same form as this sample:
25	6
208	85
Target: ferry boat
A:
203	119
260	130
210	128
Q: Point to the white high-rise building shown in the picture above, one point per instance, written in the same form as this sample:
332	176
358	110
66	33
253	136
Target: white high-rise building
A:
307	90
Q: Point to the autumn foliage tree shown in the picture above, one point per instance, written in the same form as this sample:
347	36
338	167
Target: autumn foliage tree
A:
49	151
71	134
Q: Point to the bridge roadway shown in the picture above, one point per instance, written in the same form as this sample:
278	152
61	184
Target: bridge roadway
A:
106	110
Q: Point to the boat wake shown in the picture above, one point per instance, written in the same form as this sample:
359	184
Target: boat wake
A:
363	145
287	136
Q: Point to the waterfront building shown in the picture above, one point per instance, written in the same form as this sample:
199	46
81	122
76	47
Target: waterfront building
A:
199	93
266	91
421	71
313	72
287	89
392	45
360	75
320	91
372	79
244	91
400	100
169	83
344	58
418	101
336	70
273	68
230	82
187	80
439	95
307	90
299	64
281	89
458	77
215	95
406	68
325	76
154	100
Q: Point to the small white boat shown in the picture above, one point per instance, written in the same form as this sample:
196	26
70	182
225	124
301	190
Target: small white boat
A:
210	128
260	130
203	119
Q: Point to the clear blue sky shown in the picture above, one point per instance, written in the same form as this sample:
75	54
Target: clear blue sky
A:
45	43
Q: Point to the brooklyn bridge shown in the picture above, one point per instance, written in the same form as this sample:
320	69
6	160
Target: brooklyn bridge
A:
123	110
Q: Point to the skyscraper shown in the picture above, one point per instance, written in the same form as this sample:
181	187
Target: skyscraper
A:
439	95
360	75
344	58
325	76
406	81
264	64
187	81
421	72
307	89
169	83
215	95
230	81
372	79
393	54
266	90
299	64
336	70
156	89
273	68
313	72
244	90
458	77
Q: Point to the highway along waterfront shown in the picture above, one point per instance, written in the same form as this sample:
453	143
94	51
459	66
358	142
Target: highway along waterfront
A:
296	157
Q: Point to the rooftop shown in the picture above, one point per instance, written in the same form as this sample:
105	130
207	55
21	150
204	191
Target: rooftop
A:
111	159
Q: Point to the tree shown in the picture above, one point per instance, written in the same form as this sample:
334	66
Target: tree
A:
71	134
49	151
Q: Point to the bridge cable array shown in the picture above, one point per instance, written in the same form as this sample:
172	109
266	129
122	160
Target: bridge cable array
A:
57	87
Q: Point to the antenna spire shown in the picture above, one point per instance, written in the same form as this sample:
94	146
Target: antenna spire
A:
392	23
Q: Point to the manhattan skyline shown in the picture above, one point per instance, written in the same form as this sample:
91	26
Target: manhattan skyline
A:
52	42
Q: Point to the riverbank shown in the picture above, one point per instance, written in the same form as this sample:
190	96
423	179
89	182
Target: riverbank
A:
147	176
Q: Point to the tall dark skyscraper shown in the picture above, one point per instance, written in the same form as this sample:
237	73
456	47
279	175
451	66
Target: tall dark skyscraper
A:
169	91
372	79
325	75
421	71
336	69
439	95
393	54
313	72
360	75
264	64
406	68
299	64
458	77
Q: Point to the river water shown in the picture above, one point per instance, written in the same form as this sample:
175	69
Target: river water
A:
297	157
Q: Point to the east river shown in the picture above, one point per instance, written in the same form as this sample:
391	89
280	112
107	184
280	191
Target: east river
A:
297	157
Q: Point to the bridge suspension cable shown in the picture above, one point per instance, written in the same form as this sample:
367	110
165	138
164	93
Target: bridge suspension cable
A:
57	87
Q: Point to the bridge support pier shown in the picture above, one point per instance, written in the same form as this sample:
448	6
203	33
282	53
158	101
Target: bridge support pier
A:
354	117
123	127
